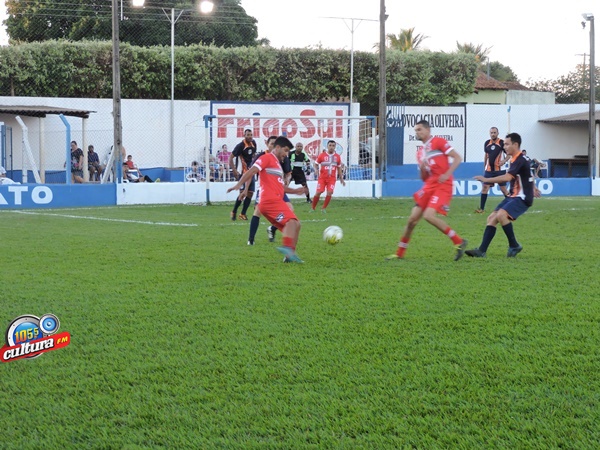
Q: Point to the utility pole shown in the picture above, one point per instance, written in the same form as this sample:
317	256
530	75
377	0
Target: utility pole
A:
382	93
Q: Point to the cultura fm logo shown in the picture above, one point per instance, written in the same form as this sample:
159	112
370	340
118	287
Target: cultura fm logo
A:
29	336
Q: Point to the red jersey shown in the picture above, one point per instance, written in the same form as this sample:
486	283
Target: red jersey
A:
330	164
433	156
270	178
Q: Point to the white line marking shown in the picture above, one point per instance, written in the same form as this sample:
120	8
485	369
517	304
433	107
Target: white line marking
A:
70	216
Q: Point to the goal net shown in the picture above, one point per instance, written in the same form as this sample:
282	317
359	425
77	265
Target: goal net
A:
354	137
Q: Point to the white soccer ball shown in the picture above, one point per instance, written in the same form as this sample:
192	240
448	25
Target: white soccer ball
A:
333	234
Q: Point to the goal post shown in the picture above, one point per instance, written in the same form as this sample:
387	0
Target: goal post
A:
355	137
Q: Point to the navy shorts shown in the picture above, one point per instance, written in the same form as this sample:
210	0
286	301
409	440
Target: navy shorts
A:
514	207
495	173
252	186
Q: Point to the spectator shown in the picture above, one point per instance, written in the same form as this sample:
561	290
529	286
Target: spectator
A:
76	163
195	173
4	179
535	164
223	160
94	167
133	173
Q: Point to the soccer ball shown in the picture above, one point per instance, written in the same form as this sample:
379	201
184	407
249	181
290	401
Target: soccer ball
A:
333	234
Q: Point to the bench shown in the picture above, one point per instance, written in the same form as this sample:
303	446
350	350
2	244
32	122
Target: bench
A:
575	167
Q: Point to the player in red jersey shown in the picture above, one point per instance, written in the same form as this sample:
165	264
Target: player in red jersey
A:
436	193
331	165
272	190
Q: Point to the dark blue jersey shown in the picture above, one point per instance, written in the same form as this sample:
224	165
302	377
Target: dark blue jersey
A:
495	152
522	184
245	152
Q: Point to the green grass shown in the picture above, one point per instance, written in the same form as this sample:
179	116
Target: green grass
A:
185	337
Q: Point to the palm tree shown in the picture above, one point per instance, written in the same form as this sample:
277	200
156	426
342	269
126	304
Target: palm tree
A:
406	40
480	53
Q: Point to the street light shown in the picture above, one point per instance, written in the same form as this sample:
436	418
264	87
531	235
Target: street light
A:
592	119
206	7
352	28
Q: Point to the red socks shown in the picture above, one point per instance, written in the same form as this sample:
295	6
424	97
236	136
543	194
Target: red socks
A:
326	202
288	242
456	239
402	246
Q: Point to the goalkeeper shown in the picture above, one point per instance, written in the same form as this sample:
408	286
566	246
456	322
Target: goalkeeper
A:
300	160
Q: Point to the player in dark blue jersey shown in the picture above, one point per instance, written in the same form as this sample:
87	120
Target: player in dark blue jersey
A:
520	198
495	157
240	161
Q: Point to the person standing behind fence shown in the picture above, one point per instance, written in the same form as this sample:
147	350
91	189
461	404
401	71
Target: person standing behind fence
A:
241	158
299	159
495	157
331	169
76	163
223	160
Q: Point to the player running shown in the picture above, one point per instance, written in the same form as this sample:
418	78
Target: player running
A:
522	192
272	189
435	195
331	165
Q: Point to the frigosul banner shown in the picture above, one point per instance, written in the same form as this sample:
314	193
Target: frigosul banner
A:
313	124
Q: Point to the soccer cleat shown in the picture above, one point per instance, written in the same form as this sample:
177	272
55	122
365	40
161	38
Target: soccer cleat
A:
290	255
232	215
475	253
323	211
243	217
392	257
460	250
293	259
250	242
308	200
512	251
270	234
479	211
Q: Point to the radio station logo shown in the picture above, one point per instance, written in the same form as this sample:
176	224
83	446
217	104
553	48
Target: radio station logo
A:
29	336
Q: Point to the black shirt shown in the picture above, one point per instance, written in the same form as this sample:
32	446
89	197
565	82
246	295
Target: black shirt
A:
245	152
522	185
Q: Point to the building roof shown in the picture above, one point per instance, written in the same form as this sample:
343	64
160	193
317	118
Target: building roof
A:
483	82
42	111
572	118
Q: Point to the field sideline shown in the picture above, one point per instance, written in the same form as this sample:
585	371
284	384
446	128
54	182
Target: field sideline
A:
185	337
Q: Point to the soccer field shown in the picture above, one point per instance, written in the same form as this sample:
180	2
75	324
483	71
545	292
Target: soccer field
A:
185	337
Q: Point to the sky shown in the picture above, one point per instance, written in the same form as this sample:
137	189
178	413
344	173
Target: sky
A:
537	42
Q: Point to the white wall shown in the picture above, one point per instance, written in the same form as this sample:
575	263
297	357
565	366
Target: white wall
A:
146	125
164	193
542	141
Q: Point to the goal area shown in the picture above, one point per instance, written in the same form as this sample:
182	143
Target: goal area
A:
355	138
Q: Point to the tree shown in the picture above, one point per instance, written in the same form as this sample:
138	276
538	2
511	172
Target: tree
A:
571	88
480	53
406	40
500	72
227	26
